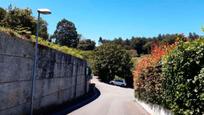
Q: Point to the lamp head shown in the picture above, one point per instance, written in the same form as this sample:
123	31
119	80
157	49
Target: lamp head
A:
44	11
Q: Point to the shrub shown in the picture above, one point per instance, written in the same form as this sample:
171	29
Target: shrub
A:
148	76
113	60
183	71
149	85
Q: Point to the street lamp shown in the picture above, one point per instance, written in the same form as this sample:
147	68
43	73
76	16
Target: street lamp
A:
45	12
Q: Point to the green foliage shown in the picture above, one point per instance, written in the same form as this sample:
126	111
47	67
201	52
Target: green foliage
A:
177	82
150	87
66	34
22	30
10	32
19	17
2	14
183	71
86	44
113	60
71	51
22	21
64	49
43	29
142	45
137	44
89	57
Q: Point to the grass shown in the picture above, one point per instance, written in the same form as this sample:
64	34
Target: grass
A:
67	50
64	49
135	60
10	32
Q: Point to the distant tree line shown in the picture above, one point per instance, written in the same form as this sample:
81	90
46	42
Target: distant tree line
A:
142	45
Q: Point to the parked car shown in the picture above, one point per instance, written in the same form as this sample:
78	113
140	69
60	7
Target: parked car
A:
118	82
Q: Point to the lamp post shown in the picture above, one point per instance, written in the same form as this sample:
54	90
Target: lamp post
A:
45	12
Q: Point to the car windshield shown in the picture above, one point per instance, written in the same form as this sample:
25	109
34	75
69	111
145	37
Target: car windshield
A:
119	80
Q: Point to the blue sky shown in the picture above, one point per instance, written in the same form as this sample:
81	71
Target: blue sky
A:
121	18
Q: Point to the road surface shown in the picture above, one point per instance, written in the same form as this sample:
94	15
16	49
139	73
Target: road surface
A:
112	101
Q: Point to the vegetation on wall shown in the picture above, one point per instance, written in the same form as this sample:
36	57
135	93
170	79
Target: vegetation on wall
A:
22	21
64	49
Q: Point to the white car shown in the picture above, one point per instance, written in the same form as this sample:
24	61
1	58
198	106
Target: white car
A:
118	82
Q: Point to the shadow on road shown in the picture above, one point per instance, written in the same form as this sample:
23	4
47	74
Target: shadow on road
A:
78	103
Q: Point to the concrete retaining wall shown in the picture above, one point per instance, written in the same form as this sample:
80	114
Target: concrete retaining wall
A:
60	77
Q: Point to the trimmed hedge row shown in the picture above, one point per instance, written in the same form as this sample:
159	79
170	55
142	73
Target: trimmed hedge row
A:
183	85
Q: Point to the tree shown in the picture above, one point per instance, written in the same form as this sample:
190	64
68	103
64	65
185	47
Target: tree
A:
193	36
86	44
113	60
20	19
2	14
43	29
66	34
103	41
100	40
137	44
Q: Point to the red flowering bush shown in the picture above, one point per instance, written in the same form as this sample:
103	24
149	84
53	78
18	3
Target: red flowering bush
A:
158	50
148	76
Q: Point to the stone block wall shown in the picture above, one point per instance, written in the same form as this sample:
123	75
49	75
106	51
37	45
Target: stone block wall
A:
60	77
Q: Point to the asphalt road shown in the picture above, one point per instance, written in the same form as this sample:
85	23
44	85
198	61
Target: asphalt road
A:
112	101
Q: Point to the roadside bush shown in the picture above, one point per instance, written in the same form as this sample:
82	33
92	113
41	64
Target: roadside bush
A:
149	87
148	75
175	80
113	60
183	85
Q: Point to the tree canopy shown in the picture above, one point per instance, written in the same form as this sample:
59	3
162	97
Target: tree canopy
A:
113	60
2	14
66	33
22	21
142	45
86	44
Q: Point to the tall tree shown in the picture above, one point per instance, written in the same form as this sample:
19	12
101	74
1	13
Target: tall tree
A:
66	34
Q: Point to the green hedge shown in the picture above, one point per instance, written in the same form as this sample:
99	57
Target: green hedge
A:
183	85
178	84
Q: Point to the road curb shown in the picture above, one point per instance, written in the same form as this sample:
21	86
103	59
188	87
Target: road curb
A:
92	95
